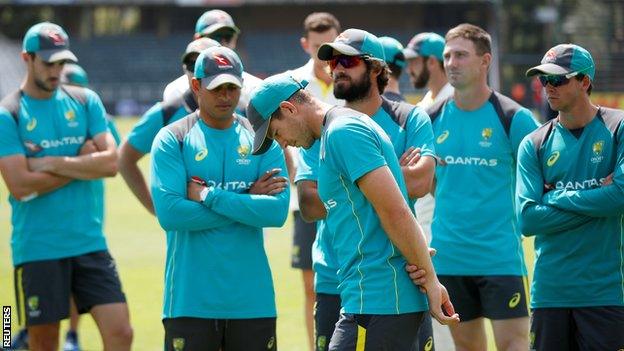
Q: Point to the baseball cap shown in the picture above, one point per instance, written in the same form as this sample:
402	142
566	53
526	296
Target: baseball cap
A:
74	75
49	41
265	100
219	65
197	46
213	20
565	59
393	51
353	42
425	44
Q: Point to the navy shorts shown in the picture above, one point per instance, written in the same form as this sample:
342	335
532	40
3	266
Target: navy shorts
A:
43	288
303	238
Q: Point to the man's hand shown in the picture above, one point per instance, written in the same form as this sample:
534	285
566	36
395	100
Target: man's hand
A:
419	276
440	306
268	184
608	180
410	157
88	147
193	190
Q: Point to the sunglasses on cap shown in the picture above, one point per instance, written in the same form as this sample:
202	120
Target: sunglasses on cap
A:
557	80
345	61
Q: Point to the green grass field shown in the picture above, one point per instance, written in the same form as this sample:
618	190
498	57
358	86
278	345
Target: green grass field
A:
138	245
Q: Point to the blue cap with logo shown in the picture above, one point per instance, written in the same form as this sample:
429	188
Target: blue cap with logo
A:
565	59
424	45
265	100
213	20
393	50
73	74
219	65
49	41
353	42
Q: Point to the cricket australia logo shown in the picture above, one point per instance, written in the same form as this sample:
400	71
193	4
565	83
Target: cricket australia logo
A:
597	152
243	152
70	116
33	306
178	344
486	134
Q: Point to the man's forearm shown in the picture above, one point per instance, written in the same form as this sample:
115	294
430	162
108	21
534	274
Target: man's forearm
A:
92	166
419	179
133	176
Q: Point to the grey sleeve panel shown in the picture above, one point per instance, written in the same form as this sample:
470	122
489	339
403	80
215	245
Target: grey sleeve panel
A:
245	123
399	111
78	94
11	103
436	109
541	134
505	108
612	119
182	127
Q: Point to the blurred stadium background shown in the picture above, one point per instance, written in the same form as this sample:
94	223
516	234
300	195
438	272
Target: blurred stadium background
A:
131	50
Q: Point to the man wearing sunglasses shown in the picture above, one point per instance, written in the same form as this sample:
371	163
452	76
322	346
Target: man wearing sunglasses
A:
139	141
373	231
54	150
213	198
479	253
219	26
570	191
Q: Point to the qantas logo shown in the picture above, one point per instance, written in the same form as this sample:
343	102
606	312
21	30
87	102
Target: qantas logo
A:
56	37
467	161
222	62
580	184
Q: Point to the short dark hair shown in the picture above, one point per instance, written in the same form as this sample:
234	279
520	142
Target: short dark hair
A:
384	75
320	22
580	77
481	39
395	71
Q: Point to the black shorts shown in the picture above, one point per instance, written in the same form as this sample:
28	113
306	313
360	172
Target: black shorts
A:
582	328
425	335
43	288
326	314
493	297
371	332
303	238
195	334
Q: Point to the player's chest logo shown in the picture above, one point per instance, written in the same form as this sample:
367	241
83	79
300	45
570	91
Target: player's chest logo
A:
243	155
597	149
486	135
70	117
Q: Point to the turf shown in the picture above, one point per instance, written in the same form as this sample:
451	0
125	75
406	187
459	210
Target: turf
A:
138	245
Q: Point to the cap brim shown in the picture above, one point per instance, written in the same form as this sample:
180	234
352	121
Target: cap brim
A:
57	55
547	68
214	81
410	54
326	51
215	27
261	142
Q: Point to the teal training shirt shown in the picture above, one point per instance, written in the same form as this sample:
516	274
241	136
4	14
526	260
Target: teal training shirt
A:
474	226
371	270
407	126
158	116
577	221
216	266
65	222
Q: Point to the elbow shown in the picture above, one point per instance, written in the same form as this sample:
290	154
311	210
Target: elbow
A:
281	214
525	224
309	214
111	170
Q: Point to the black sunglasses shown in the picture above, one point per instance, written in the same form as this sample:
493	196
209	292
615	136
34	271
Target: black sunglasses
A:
556	80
